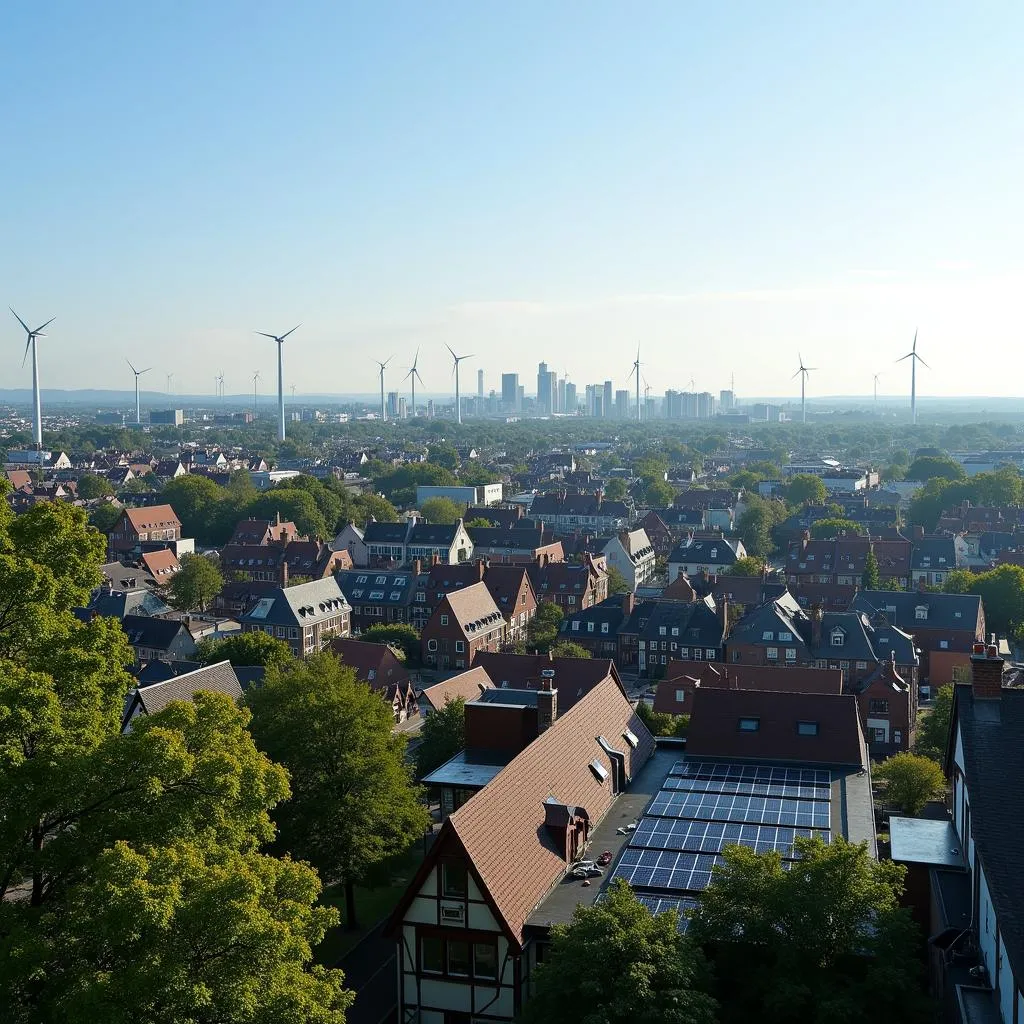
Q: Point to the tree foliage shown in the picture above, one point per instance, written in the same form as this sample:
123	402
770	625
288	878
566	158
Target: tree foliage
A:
1001	591
871	577
806	488
568	649
748	565
196	584
353	802
617	583
756	523
933	726
542	630
442	511
825	529
91	485
442	736
398	634
616	963
911	781
931	467
817	943
104	516
255	648
616	489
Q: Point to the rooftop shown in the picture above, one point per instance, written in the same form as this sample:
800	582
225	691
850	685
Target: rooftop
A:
471	770
925	841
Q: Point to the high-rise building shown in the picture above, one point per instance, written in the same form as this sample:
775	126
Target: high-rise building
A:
705	405
560	391
572	405
622	405
520	397
545	390
598	402
727	400
606	401
480	385
403	408
510	391
673	405
430	408
393	405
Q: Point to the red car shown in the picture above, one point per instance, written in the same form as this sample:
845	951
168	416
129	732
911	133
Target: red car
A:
605	858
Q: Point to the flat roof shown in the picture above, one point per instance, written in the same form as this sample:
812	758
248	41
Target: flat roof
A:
460	771
925	841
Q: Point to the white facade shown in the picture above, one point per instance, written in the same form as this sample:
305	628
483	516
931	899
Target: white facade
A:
637	564
350	539
485	494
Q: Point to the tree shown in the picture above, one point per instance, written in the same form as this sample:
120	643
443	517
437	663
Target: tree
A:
440	453
616	581
374	506
870	577
806	488
825	529
296	505
958	581
354	803
930	467
256	648
443	735
933	726
657	493
542	629
442	511
114	849
196	500
911	781
616	489
659	723
816	943
616	963
756	522
567	649
197	583
1001	590
90	486
104	516
478	521
398	634
748	565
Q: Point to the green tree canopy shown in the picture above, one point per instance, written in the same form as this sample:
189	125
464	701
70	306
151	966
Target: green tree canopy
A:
911	781
244	649
196	584
825	529
293	504
756	523
748	565
817	943
542	630
657	493
196	499
353	802
442	510
870	578
616	963
104	516
616	489
616	581
442	736
806	488
397	634
1001	590
373	506
443	454
91	485
933	726
930	467
567	649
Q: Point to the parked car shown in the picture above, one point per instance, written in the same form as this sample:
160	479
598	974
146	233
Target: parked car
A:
605	859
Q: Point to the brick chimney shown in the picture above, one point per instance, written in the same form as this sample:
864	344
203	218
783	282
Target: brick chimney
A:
417	566
481	568
284	572
547	702
628	603
723	613
986	671
816	617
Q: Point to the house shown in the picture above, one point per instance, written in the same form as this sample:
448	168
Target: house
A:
263	532
386	597
161	565
597	628
570	585
152	697
675	692
574	678
658	632
155	639
465	944
397	544
632	554
350	539
464	622
306	616
498	516
464	686
945	627
932	559
713	555
512	591
569	513
978	903
840	561
379	667
136	526
661	538
523	544
887	710
122	576
114	603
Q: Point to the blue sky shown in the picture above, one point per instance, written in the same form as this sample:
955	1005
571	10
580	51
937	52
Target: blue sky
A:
726	184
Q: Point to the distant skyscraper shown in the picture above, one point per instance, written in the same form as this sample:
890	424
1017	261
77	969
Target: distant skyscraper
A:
673	405
480	385
403	408
393	405
599	403
560	392
545	390
430	408
520	397
727	399
510	391
705	405
606	402
572	405
622	405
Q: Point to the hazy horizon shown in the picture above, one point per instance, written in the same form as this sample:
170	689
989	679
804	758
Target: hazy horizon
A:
726	187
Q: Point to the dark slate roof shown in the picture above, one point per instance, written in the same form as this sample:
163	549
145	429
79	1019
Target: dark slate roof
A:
698	624
611	611
145	631
716	552
506	540
219	678
300	605
992	733
934	554
945	611
396	587
674	518
561	504
117	604
120	575
385	533
434	535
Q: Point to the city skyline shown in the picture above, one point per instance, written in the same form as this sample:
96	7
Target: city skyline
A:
728	186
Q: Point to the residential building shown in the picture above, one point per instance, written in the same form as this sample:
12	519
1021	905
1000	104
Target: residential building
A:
597	628
632	554
305	616
385	596
392	545
137	526
153	697
350	539
155	639
658	632
840	561
704	554
379	667
570	585
464	622
482	494
571	513
932	560
516	545
573	678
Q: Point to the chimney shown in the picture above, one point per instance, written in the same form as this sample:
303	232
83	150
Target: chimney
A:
547	703
278	519
986	671
628	603
816	617
805	539
284	572
918	533
481	568
723	613
599	497
417	566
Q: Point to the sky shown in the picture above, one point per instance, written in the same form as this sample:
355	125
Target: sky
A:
728	187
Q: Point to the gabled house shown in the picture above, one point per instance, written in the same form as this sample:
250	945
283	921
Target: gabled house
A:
465	621
161	565
712	555
137	526
570	585
632	554
392	545
379	667
306	616
381	596
565	512
263	532
350	539
658	632
573	678
155	639
932	559
661	538
597	628
150	698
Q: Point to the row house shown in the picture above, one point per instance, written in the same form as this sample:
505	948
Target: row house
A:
697	554
658	632
570	585
305	616
138	526
840	561
596	628
465	621
283	562
932	560
391	545
385	597
566	512
509	586
521	544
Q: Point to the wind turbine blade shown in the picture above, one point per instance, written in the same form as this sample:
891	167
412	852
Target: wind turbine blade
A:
913	347
39	330
472	355
273	337
20	321
807	369
417	372
129	362
921	361
909	355
797	374
292	331
447	346
25	356
146	370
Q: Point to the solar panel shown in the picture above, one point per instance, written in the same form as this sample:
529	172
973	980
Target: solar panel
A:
662	869
742	807
692	784
682	905
712	836
750	773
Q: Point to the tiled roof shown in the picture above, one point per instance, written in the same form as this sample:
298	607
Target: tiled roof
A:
300	605
389	588
160	563
155	517
502	827
467	685
219	678
145	631
705	552
574	678
715	727
473	607
504	582
944	611
375	664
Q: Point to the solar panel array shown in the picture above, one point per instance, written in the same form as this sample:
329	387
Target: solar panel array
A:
660	904
704	806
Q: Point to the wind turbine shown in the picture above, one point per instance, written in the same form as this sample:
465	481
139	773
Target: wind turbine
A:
255	380
458	400
280	376
383	406
803	374
877	375
220	384
138	374
914	360
30	341
412	376
636	372
170	381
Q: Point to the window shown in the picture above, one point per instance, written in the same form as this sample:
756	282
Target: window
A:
454	880
897	736
590	627
696	654
576	627
675	631
768	635
680	696
599	770
431	645
684	652
432	954
750	724
944	645
921	612
361	579
458	957
604	627
791	654
861	665
878	707
877	735
376	595
709	654
381	580
444	620
837	637
631	738
662	631
460	645
785	637
772	653
807	728
485	960
396	595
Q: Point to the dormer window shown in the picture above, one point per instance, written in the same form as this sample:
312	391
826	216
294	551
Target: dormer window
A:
838	637
807	728
921	612
750	724
768	634
599	770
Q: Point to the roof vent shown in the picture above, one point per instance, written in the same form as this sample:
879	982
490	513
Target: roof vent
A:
547	673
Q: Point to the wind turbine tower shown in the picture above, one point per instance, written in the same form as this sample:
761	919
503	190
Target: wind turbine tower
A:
412	376
280	375
914	360
877	375
255	381
31	342
169	384
636	372
803	374
383	404
138	374
458	398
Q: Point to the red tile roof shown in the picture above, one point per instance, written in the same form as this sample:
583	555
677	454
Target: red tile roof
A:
375	664
466	685
160	563
155	517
